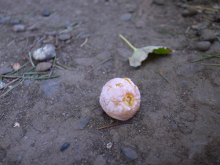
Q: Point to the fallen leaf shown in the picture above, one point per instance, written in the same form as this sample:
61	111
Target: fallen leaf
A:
140	54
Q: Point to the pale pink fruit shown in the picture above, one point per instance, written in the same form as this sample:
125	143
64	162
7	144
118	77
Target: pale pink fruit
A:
120	98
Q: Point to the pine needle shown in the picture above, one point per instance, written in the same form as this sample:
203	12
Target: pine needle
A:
210	56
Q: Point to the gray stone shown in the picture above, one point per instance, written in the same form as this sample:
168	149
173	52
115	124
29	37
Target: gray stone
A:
203	45
19	28
129	153
99	111
159	2
49	86
45	13
53	33
15	21
64	37
84	36
126	17
131	8
201	25
43	66
214	48
207	35
189	12
4	19
5	70
84	123
45	53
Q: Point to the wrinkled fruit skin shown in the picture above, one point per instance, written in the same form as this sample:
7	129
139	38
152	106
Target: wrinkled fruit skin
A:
120	98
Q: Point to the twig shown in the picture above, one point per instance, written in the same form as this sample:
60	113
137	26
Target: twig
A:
41	78
90	47
15	70
54	61
164	77
31	59
3	95
203	8
10	83
57	41
2	115
210	56
63	66
98	64
114	125
210	64
30	69
9	76
86	40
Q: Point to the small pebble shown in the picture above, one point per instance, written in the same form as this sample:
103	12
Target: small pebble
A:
84	123
109	145
19	28
84	36
45	53
189	12
64	37
16	65
65	146
5	19
129	153
99	111
207	35
201	25
5	70
131	8
43	66
45	13
159	2
203	45
15	21
126	17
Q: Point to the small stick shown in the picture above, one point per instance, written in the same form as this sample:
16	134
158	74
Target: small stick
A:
51	72
163	77
63	66
210	56
10	83
54	61
90	47
2	115
16	70
205	8
114	125
57	41
9	76
3	95
86	40
31	59
210	64
98	65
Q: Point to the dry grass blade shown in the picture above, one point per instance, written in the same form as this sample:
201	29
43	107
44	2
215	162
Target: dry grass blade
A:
41	78
114	125
9	83
16	70
63	66
99	64
163	76
4	94
86	40
210	56
31	59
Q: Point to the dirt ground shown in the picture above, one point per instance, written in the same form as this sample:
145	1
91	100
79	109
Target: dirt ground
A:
177	123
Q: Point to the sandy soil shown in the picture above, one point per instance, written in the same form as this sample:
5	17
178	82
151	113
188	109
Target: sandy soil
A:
177	123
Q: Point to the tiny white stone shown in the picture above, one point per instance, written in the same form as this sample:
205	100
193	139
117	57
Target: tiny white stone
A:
17	124
109	145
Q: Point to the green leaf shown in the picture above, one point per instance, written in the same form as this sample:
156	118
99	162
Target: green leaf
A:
140	54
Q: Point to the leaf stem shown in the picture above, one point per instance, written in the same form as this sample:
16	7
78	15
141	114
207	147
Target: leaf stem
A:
128	42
